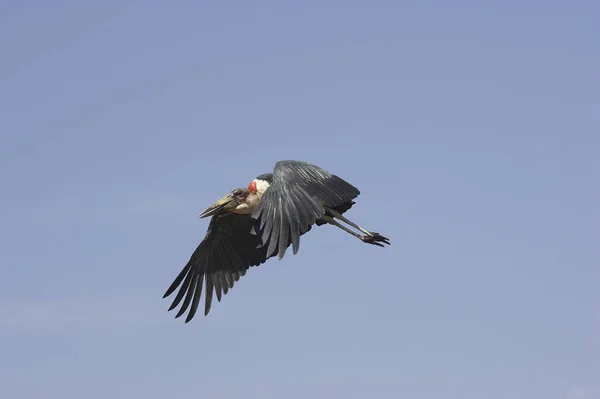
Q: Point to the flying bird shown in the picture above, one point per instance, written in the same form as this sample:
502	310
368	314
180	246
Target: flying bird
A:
250	225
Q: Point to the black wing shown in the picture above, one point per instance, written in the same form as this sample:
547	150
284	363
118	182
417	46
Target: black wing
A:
294	201
225	254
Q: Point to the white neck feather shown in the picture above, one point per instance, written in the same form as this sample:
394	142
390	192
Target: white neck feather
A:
261	187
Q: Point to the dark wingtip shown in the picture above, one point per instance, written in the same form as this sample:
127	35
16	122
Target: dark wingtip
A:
184	272
181	312
170	290
189	317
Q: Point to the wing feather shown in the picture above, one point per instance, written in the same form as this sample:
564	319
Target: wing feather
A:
182	290
294	201
188	295
223	256
196	300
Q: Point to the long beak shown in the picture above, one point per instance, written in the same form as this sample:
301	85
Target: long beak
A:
224	203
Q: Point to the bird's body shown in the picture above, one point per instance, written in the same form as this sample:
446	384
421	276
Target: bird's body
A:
251	225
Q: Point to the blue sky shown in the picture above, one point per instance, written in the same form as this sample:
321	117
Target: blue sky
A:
471	129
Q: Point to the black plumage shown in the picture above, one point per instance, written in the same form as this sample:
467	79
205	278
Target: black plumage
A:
225	254
298	196
295	200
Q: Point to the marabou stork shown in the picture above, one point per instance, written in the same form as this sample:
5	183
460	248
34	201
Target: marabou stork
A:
250	225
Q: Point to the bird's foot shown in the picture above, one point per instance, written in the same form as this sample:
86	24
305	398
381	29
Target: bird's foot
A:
375	239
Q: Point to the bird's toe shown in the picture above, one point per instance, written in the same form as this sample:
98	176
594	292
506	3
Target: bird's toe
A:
374	239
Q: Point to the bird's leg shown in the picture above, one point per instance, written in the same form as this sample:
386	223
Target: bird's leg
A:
375	236
351	223
369	239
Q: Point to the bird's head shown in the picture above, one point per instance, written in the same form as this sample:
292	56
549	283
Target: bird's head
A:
231	203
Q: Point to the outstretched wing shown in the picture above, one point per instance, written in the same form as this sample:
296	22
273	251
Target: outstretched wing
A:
294	201
225	254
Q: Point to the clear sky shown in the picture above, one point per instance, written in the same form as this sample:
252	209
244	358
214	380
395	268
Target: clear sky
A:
472	129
